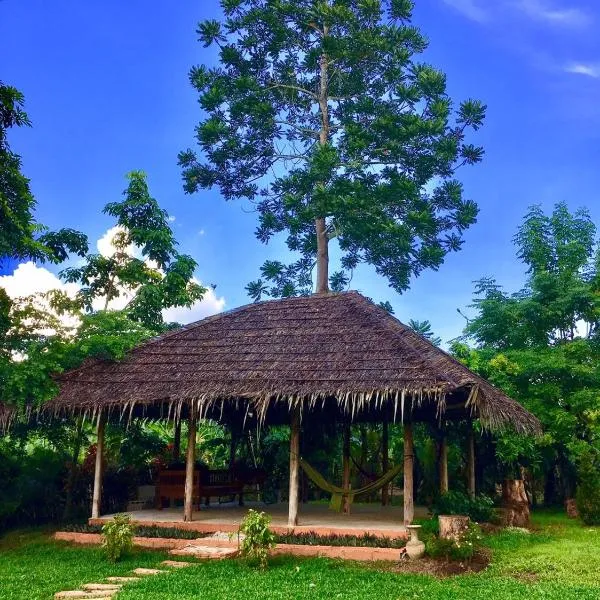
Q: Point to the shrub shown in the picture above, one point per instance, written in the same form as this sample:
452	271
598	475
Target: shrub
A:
462	549
117	537
588	490
258	538
479	509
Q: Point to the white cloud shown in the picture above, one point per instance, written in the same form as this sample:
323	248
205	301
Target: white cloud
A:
106	244
30	280
586	69
211	304
541	10
472	9
171	219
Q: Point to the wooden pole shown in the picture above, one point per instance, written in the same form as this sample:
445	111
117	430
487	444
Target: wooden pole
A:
177	439
409	507
294	467
190	459
471	463
97	497
443	463
346	468
385	459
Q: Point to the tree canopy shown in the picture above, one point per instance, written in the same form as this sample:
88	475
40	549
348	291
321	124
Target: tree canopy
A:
320	113
20	235
542	343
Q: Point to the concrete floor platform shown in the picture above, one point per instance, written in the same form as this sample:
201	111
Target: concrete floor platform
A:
372	519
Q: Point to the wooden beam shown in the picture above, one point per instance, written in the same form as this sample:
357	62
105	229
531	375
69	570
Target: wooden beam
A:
471	463
346	469
443	463
385	459
409	507
190	459
97	496
294	467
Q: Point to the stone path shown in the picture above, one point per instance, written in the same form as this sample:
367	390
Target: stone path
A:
106	591
200	551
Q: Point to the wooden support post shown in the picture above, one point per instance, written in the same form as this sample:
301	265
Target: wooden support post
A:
346	469
190	459
443	463
177	439
294	467
409	507
471	463
385	459
97	497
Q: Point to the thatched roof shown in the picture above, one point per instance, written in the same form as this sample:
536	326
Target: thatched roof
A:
318	352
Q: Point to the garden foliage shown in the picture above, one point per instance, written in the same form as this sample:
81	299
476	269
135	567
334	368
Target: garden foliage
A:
117	537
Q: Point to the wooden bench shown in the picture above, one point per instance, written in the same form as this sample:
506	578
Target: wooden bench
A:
208	483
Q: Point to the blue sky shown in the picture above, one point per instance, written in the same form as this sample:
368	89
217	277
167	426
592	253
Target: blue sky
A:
106	88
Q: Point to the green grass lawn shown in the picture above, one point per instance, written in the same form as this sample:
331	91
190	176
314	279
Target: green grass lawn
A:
560	561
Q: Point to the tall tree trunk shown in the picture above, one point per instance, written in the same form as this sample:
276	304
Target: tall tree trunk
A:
385	460
97	496
346	468
294	467
68	512
320	222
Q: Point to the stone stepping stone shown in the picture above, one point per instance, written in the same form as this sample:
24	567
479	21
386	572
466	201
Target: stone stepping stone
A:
205	552
78	594
122	579
105	587
143	571
176	564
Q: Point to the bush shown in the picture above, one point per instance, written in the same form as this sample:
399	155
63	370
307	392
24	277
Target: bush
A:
118	537
258	538
461	549
588	490
479	509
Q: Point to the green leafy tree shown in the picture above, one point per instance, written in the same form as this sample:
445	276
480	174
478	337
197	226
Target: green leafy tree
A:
20	235
161	278
424	328
320	113
542	343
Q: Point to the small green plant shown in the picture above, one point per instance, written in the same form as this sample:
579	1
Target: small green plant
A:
461	549
117	537
480	509
588	490
258	538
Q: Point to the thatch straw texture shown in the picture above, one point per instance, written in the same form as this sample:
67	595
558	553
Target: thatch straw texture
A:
316	352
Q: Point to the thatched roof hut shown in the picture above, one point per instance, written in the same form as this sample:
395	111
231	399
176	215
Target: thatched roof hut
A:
336	353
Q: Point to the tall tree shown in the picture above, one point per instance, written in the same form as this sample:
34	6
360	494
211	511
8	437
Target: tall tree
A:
542	343
320	113
160	278
20	235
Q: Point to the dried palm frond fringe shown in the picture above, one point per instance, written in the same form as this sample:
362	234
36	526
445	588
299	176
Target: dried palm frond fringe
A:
310	353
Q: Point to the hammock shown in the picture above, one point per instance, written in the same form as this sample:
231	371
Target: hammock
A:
338	493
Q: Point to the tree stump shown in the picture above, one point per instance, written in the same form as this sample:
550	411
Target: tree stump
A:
571	508
515	503
452	527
